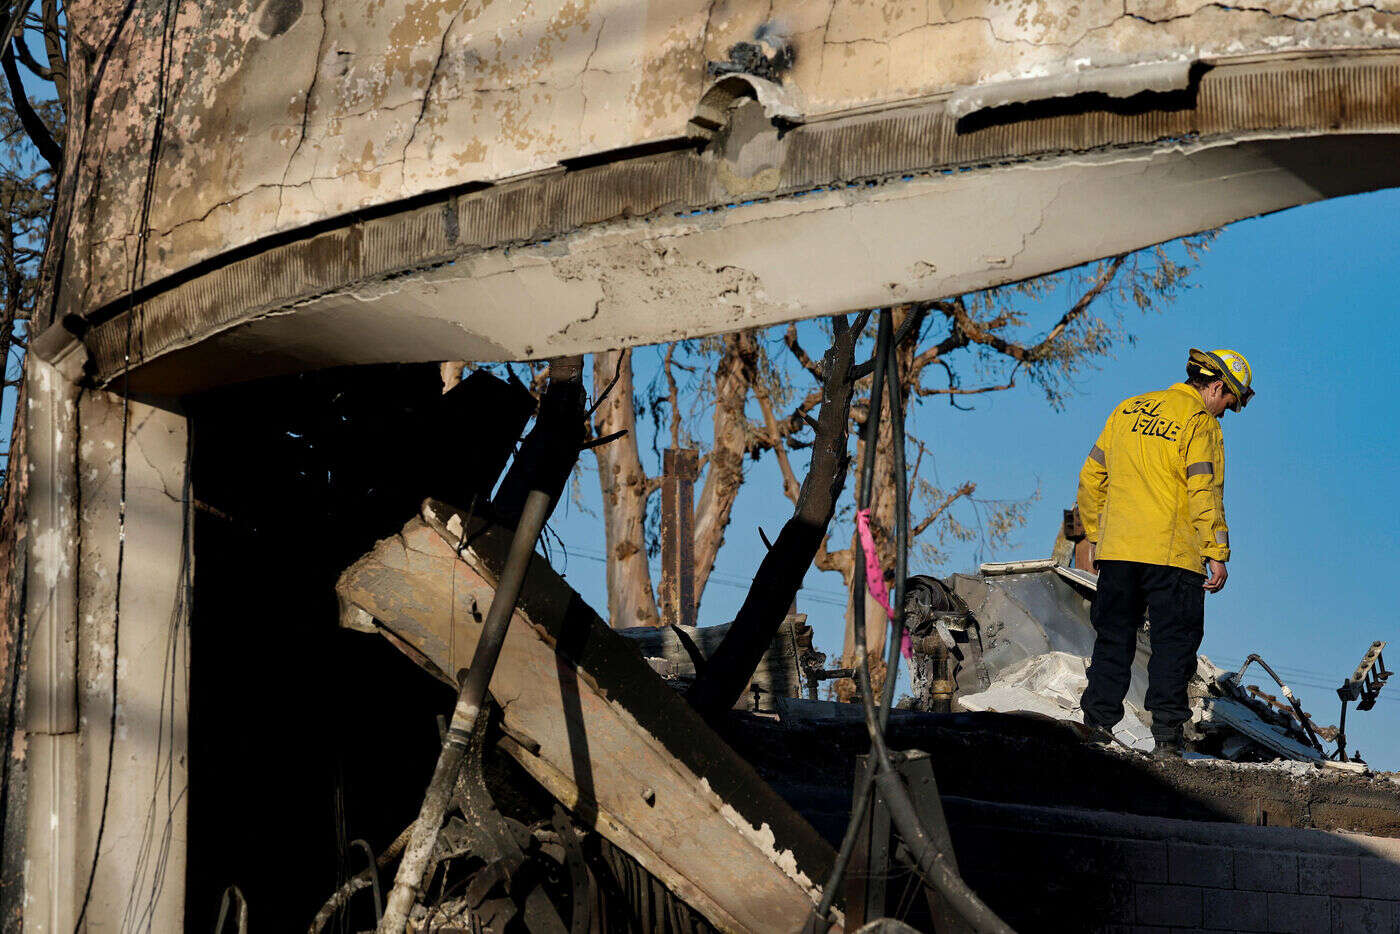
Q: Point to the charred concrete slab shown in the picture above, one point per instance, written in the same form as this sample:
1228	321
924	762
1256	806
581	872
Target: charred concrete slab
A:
1029	761
594	724
658	248
278	115
428	170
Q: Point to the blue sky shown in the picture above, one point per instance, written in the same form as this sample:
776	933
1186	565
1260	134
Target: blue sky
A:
1311	466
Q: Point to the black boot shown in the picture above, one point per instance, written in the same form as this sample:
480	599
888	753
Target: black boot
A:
1169	744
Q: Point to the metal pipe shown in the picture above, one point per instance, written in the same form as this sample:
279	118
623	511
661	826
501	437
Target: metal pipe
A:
469	700
1341	752
1297	704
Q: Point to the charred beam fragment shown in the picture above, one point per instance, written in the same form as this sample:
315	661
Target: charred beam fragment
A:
547	455
780	574
528	495
682	465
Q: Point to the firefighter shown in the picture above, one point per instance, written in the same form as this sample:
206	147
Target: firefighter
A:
1151	496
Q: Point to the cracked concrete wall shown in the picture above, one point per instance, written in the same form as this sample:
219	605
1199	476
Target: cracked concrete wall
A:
140	871
276	114
648	280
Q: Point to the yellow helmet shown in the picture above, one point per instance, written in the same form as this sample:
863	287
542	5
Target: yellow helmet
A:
1230	366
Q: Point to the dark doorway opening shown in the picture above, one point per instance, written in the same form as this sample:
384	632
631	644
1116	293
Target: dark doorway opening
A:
303	736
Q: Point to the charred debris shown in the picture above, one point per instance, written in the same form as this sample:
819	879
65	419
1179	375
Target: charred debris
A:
677	778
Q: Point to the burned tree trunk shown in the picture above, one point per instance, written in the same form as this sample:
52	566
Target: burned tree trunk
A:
724	475
780	574
625	490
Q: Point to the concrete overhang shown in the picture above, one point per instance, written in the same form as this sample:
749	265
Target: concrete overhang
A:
905	203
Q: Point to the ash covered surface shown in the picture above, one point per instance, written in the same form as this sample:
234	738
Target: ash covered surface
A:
1024	760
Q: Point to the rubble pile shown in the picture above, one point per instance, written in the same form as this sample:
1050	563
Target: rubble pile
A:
1050	685
1016	638
1227	721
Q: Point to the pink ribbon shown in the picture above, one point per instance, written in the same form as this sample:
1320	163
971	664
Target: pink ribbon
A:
875	575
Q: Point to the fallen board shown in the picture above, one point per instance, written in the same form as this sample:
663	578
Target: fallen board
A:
615	745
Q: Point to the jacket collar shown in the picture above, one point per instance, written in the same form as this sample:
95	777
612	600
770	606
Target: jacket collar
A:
1190	390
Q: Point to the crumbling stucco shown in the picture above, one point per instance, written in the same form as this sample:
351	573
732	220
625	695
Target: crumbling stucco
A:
649	280
283	113
139	876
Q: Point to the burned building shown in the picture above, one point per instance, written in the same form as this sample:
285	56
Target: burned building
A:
275	218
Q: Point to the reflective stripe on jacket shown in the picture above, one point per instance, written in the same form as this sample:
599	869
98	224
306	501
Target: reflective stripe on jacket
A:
1153	486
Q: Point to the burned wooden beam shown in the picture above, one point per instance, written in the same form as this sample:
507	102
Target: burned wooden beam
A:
616	746
680	467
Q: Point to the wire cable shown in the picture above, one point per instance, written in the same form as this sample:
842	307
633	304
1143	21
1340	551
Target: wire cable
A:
932	865
860	802
138	268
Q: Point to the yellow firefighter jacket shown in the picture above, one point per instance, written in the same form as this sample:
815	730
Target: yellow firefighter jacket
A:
1153	487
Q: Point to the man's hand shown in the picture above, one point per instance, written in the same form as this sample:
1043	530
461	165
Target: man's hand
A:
1218	574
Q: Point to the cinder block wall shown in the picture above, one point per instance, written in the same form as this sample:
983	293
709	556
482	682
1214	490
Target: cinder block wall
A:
1062	869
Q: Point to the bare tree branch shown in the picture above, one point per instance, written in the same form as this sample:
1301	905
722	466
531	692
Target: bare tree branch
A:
53	49
987	332
34	127
966	490
842	561
776	438
724	474
790	338
953	390
1078	308
28	60
673	395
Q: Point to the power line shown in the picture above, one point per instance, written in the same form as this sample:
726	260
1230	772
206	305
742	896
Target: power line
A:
821	597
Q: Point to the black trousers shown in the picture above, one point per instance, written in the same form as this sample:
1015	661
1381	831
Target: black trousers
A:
1175	601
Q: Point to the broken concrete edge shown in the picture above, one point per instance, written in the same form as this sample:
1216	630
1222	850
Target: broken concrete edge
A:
270	277
1113	81
614	668
1038	818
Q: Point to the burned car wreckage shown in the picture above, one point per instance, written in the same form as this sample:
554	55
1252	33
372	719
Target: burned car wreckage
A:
267	578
